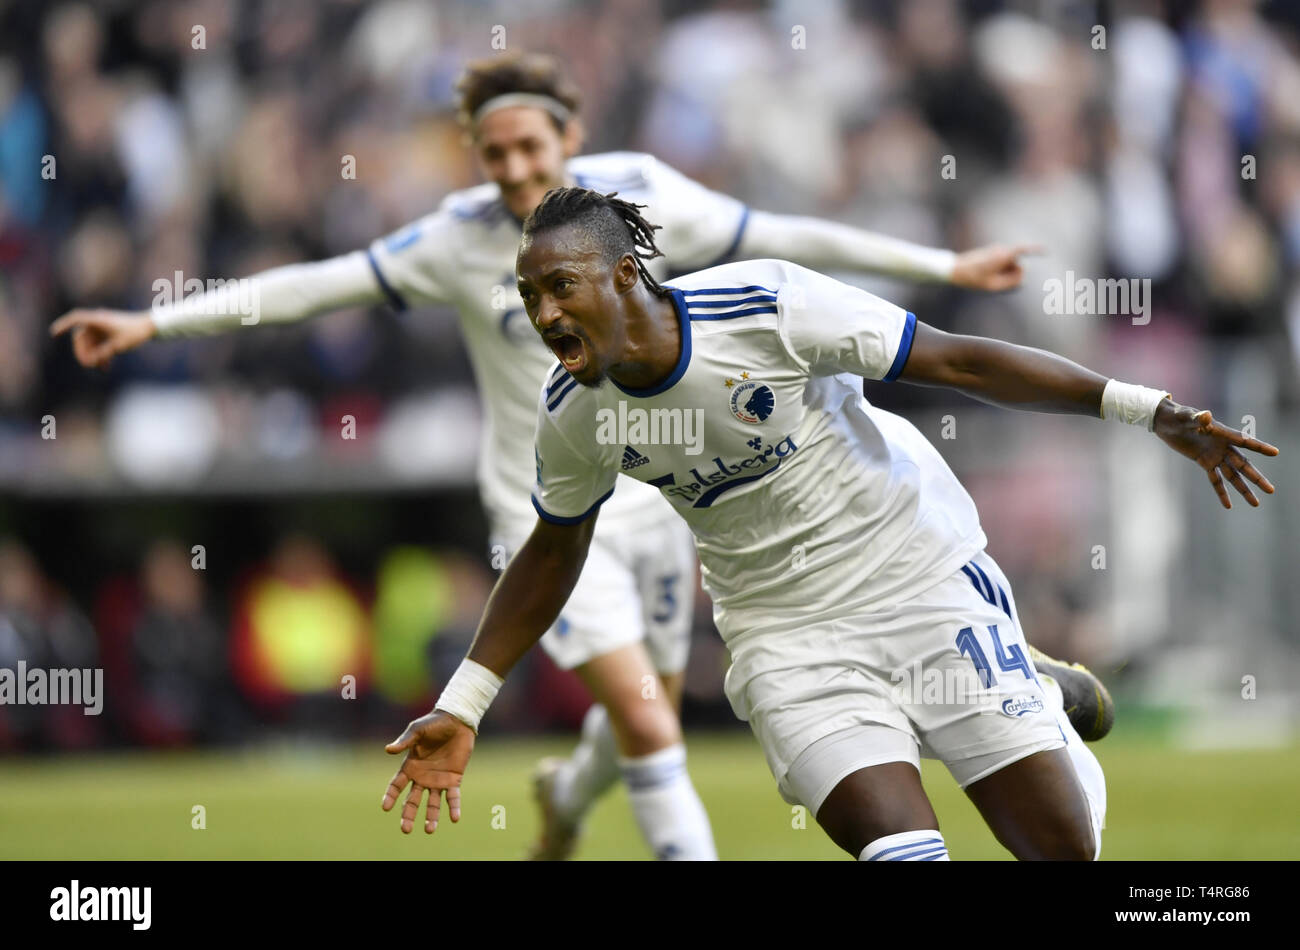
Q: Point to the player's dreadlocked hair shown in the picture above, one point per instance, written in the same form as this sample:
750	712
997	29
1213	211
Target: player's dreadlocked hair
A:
504	73
615	224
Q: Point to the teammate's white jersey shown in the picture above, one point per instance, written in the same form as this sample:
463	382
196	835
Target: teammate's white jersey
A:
463	254
807	503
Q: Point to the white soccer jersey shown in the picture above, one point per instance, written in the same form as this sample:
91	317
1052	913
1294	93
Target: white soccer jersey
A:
807	503
463	254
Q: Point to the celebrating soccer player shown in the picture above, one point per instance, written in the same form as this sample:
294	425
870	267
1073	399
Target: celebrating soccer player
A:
629	612
891	572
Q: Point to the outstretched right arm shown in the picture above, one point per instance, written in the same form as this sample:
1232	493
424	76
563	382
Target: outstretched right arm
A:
279	295
414	265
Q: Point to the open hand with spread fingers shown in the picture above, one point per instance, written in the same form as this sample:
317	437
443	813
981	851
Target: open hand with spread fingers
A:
1213	446
437	748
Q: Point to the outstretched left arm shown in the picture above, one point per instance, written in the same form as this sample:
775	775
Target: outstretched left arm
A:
828	245
1021	377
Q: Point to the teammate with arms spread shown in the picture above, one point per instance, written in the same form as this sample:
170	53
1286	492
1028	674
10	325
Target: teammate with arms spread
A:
894	570
629	614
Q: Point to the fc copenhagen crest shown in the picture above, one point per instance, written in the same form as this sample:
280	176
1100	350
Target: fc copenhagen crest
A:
752	401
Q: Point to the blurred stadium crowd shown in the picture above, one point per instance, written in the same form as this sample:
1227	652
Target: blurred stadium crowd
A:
1167	148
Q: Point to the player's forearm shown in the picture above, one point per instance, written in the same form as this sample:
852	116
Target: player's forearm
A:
530	595
279	295
828	245
1020	377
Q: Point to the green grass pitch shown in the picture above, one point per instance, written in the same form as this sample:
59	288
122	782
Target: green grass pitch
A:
294	802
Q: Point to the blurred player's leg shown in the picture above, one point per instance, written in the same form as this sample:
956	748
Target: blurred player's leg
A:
674	683
571	786
585	775
665	570
652	756
640	743
637	587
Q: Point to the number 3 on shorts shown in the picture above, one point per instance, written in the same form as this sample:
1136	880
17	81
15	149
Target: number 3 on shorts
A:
666	601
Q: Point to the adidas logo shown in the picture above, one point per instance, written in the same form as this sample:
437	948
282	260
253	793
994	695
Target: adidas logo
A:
632	458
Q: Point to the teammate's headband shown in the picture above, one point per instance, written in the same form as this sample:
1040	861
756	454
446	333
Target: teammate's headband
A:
535	100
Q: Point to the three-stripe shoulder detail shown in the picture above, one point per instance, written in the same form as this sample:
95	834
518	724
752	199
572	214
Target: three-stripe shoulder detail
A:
558	386
727	303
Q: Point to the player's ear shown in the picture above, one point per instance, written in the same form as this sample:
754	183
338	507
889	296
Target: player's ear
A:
626	274
574	135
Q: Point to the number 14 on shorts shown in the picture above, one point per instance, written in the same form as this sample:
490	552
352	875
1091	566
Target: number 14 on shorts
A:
1009	659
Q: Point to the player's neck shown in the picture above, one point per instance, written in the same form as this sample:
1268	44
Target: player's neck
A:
654	342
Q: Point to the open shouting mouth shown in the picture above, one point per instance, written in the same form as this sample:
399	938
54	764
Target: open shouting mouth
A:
569	349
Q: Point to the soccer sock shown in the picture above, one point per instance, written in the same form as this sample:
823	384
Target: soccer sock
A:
591	770
669	812
926	845
1086	766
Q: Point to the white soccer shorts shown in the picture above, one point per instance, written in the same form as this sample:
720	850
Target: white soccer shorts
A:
635	586
945	674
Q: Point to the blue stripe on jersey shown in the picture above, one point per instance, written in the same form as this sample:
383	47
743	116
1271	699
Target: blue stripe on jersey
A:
729	315
393	296
560	519
747	302
709	497
715	291
987	590
556	381
683	361
736	301
559	397
735	241
904	349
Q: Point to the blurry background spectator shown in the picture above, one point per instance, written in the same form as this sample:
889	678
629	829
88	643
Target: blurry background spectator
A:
41	628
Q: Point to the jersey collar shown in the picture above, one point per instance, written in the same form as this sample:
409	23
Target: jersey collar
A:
683	361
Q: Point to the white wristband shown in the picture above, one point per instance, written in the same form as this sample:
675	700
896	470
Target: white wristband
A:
1136	405
469	692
